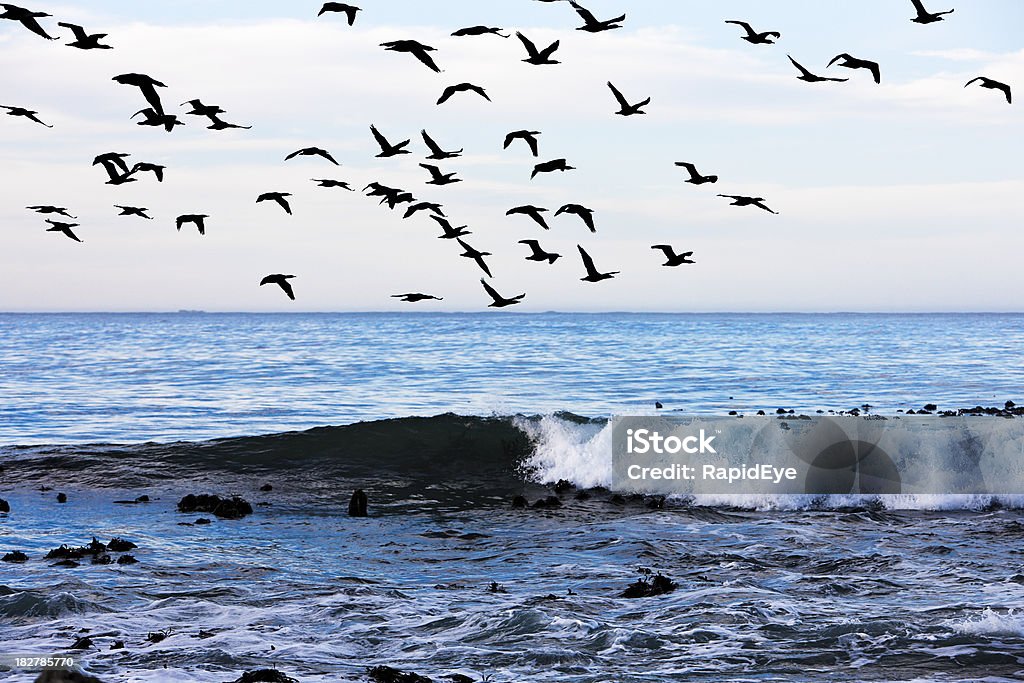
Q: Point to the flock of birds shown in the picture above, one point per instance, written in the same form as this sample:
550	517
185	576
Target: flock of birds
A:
119	171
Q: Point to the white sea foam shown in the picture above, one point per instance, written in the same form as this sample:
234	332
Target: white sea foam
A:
992	623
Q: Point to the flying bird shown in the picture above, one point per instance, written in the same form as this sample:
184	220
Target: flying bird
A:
740	200
538	57
673	258
144	167
198	219
993	85
216	123
416	297
211	112
281	281
480	31
27	19
327	182
591	23
476	255
133	211
450	233
152	118
348	10
47	209
438	178
278	197
84	41
851	62
583	212
117	170
533	212
148	87
424	206
806	75
529	136
65	228
926	17
27	113
462	87
398	197
754	37
539	254
551	166
695	177
592	273
416	49
625	108
386	148
436	152
312	152
499	300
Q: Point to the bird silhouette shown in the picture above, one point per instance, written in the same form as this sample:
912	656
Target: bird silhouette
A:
462	87
378	190
740	200
398	197
281	281
499	300
592	273
147	85
926	17
673	258
27	19
539	254
695	177
57	226
538	57
312	152
480	31
278	197
416	49
211	112
327	182
438	178
851	62
348	10
84	41
48	209
416	297
534	212
806	75
625	108
529	136
197	219
27	113
583	212
591	23
551	166
424	206
993	85
476	255
133	211
450	233
144	167
152	118
117	170
216	123
436	152
754	37
386	148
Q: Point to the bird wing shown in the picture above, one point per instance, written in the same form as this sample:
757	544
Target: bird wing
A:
532	142
584	13
327	155
549	50
434	148
528	44
691	169
491	291
838	57
618	95
588	262
448	92
32	25
435	172
379	137
287	287
667	248
284	204
76	29
876	71
479	91
919	6
422	55
479	258
802	70
293	154
588	218
747	27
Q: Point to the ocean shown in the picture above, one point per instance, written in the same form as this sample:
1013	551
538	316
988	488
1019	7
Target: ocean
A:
443	419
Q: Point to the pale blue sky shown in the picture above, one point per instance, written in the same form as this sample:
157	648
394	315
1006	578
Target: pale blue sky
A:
902	196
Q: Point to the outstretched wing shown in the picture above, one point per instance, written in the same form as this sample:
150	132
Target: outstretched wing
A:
618	95
584	13
76	29
746	27
588	262
802	70
528	44
491	291
429	142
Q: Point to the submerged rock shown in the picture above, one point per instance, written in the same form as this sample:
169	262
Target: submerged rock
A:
14	556
264	676
127	559
520	502
657	585
83	643
386	674
62	497
266	487
225	508
4	506
119	545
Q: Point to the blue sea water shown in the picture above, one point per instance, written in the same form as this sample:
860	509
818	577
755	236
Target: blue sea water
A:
444	576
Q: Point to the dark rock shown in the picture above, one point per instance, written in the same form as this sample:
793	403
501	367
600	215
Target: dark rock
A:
101	559
549	502
64	552
582	495
357	504
656	503
119	545
657	405
1009	405
385	674
127	559
226	508
117	645
15	556
617	499
202	520
520	502
564	485
930	407
642	588
733	413
780	411
760	412
62	498
157	636
83	643
266	487
460	678
142	499
65	676
4	506
264	676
